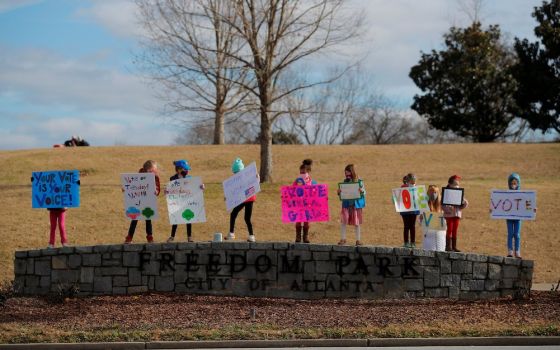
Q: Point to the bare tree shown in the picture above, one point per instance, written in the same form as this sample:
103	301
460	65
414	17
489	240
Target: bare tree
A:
189	50
277	35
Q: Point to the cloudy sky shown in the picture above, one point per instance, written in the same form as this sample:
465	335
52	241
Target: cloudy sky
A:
67	66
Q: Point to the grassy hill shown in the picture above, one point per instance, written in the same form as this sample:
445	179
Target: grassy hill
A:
101	220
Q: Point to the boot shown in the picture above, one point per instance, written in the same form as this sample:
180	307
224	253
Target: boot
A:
305	235
298	235
454	243
447	244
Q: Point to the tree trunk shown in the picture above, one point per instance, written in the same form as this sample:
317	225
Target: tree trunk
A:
219	127
266	146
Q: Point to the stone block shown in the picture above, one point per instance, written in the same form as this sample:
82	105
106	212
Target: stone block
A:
47	252
66	250
477	257
20	266
402	251
32	281
59	262
436	293
111	262
260	245
445	266
431	277
510	271
491	285
321	256
34	253
480	270
244	245
134	247
74	261
424	253
21	254
86	274
119	290
319	247
414	284
512	261
43	267
344	249
454	292
101	249
494	271
460	266
472	285
83	249
450	281
164	284
120	281
65	276
365	250
496	259
384	250
91	260
134	277
393	288
114	271
131	259
103	284
527	263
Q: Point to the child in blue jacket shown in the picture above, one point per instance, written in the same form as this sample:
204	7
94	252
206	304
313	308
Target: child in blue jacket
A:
351	213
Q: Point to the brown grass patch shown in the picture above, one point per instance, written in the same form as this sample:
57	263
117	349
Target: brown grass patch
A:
100	219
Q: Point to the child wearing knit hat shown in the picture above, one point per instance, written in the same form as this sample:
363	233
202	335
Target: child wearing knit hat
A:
236	167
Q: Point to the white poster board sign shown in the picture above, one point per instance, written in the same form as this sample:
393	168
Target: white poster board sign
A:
432	221
241	186
452	196
350	190
185	201
513	205
410	199
140	199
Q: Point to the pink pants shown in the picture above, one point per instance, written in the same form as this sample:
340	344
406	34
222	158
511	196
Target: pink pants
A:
60	216
452	226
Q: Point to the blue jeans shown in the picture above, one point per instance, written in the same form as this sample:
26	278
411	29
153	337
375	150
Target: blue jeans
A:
514	233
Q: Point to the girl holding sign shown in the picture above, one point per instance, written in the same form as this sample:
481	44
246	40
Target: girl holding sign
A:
409	218
351	213
514	226
182	168
452	215
236	167
149	166
303	179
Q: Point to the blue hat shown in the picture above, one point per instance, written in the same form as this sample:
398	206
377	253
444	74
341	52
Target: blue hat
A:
514	176
237	165
182	164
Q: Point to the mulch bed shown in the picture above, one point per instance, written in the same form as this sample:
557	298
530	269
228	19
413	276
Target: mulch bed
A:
187	311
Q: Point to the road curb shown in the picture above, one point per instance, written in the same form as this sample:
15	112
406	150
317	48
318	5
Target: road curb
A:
336	343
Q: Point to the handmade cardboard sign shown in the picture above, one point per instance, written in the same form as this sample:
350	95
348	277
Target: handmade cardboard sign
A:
140	199
410	199
349	190
55	189
241	186
185	201
309	203
514	205
430	220
452	196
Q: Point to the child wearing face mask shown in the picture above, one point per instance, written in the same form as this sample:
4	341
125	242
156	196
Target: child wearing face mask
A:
452	215
351	213
303	179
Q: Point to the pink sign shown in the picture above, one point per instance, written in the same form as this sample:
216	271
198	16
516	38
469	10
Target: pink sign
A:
307	203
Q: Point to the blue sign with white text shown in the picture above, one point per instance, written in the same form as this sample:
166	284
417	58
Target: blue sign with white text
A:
56	189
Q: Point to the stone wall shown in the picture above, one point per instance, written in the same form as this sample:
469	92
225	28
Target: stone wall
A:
271	269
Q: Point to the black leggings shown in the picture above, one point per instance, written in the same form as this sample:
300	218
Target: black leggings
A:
174	230
133	224
409	226
248	212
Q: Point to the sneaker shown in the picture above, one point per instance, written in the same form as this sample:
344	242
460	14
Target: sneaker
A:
190	239
342	242
251	238
50	246
230	236
406	245
170	239
358	243
412	245
150	239
128	239
65	245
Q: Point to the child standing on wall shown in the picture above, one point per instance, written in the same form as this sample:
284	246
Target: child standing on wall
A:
514	226
409	218
304	178
149	166
433	239
236	167
182	169
351	213
452	215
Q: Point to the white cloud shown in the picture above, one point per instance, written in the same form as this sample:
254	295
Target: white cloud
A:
118	16
9	5
45	77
